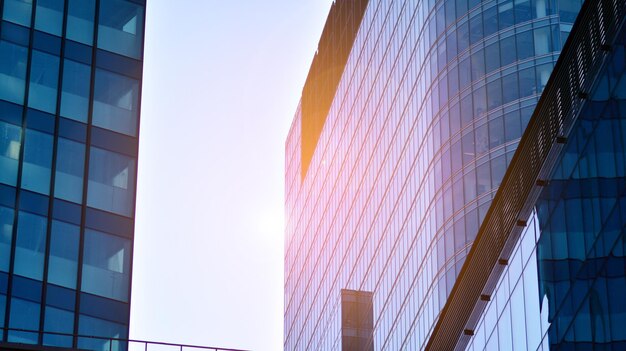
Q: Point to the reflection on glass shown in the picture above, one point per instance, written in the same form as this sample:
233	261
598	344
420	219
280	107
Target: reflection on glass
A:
10	141
44	78
116	102
120	27
106	265
37	161
12	72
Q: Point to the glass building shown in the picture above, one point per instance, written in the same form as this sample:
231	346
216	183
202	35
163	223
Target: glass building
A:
409	118
70	87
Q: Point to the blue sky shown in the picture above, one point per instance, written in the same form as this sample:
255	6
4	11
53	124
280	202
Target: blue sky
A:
222	80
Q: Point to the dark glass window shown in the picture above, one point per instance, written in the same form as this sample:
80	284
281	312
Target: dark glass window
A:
476	28
542	41
111	182
523	11
30	246
494	94
6	235
462	35
508	53
120	28
63	261
58	320
492	57
75	90
490	17
69	170
10	143
116	102
49	16
506	17
509	88
12	71
525	45
80	15
44	78
17	11
106	265
37	161
88	325
24	315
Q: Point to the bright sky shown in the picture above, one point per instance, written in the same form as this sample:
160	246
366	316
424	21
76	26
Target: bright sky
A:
222	80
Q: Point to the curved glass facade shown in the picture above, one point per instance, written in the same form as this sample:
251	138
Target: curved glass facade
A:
430	108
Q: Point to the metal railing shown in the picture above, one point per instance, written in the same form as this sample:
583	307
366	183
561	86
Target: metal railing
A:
582	56
105	343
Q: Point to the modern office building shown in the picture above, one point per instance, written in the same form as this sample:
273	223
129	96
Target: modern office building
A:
409	119
70	87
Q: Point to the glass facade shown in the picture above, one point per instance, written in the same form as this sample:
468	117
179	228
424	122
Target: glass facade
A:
70	86
429	111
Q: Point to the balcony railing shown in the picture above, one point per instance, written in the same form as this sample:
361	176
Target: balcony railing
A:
104	343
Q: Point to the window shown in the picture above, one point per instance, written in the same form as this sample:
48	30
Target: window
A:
30	245
12	71
120	27
75	90
63	261
69	170
106	266
37	161
49	16
44	78
10	142
6	235
58	321
18	11
80	15
88	325
111	182
116	102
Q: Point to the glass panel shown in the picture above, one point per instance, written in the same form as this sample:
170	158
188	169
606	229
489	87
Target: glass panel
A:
120	27
6	235
30	246
106	267
58	321
80	14
116	102
111	182
37	161
12	72
24	315
63	264
49	16
68	182
18	11
98	327
542	41
44	78
10	142
75	90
